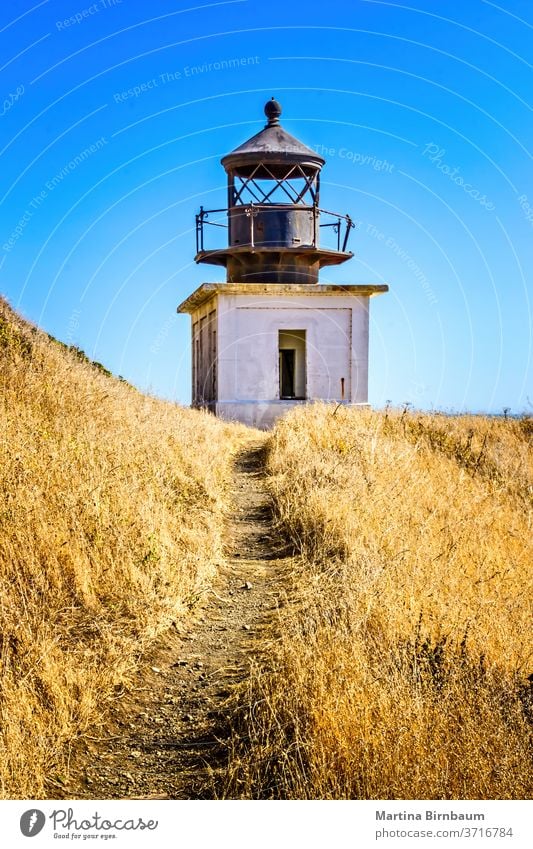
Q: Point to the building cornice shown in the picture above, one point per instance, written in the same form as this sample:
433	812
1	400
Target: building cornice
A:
207	291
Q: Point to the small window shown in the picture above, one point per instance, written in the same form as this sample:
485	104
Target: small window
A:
292	365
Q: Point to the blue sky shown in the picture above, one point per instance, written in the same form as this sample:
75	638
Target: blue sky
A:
115	116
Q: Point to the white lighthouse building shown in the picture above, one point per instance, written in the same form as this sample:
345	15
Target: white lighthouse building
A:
271	336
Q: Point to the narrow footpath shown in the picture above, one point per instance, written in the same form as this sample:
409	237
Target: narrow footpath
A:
169	735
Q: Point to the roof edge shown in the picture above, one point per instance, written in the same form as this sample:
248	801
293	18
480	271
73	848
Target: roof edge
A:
206	291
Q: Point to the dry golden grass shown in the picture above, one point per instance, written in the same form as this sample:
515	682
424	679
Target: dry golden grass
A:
403	660
403	671
110	525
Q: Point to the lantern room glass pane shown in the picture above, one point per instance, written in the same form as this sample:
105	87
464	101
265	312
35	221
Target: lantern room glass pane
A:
289	187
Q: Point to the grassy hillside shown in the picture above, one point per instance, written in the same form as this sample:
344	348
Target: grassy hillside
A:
402	666
110	521
403	670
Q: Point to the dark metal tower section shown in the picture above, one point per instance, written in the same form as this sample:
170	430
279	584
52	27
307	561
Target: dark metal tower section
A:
273	217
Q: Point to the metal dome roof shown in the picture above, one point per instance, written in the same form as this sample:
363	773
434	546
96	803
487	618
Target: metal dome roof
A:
274	146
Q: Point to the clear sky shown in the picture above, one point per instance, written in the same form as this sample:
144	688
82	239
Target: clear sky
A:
114	117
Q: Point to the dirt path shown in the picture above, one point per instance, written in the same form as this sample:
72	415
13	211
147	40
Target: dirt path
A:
168	735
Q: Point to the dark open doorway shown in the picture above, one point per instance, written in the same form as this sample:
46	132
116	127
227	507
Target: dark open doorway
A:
292	365
287	358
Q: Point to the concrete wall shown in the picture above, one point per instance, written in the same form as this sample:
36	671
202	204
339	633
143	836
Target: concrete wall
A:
236	340
336	329
204	355
248	333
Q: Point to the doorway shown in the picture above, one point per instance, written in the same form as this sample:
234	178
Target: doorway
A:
292	376
286	373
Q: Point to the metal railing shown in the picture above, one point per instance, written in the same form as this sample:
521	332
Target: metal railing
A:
341	226
337	227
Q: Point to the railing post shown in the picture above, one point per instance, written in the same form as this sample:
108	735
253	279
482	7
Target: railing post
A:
251	212
349	225
201	228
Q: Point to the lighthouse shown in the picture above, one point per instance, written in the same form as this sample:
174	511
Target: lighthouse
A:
270	336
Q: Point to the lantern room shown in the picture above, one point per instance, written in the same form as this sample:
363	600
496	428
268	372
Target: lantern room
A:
273	217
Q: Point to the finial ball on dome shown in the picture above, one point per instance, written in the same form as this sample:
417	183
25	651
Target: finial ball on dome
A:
272	111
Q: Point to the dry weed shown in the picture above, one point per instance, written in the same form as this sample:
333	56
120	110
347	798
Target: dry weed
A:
404	674
110	523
